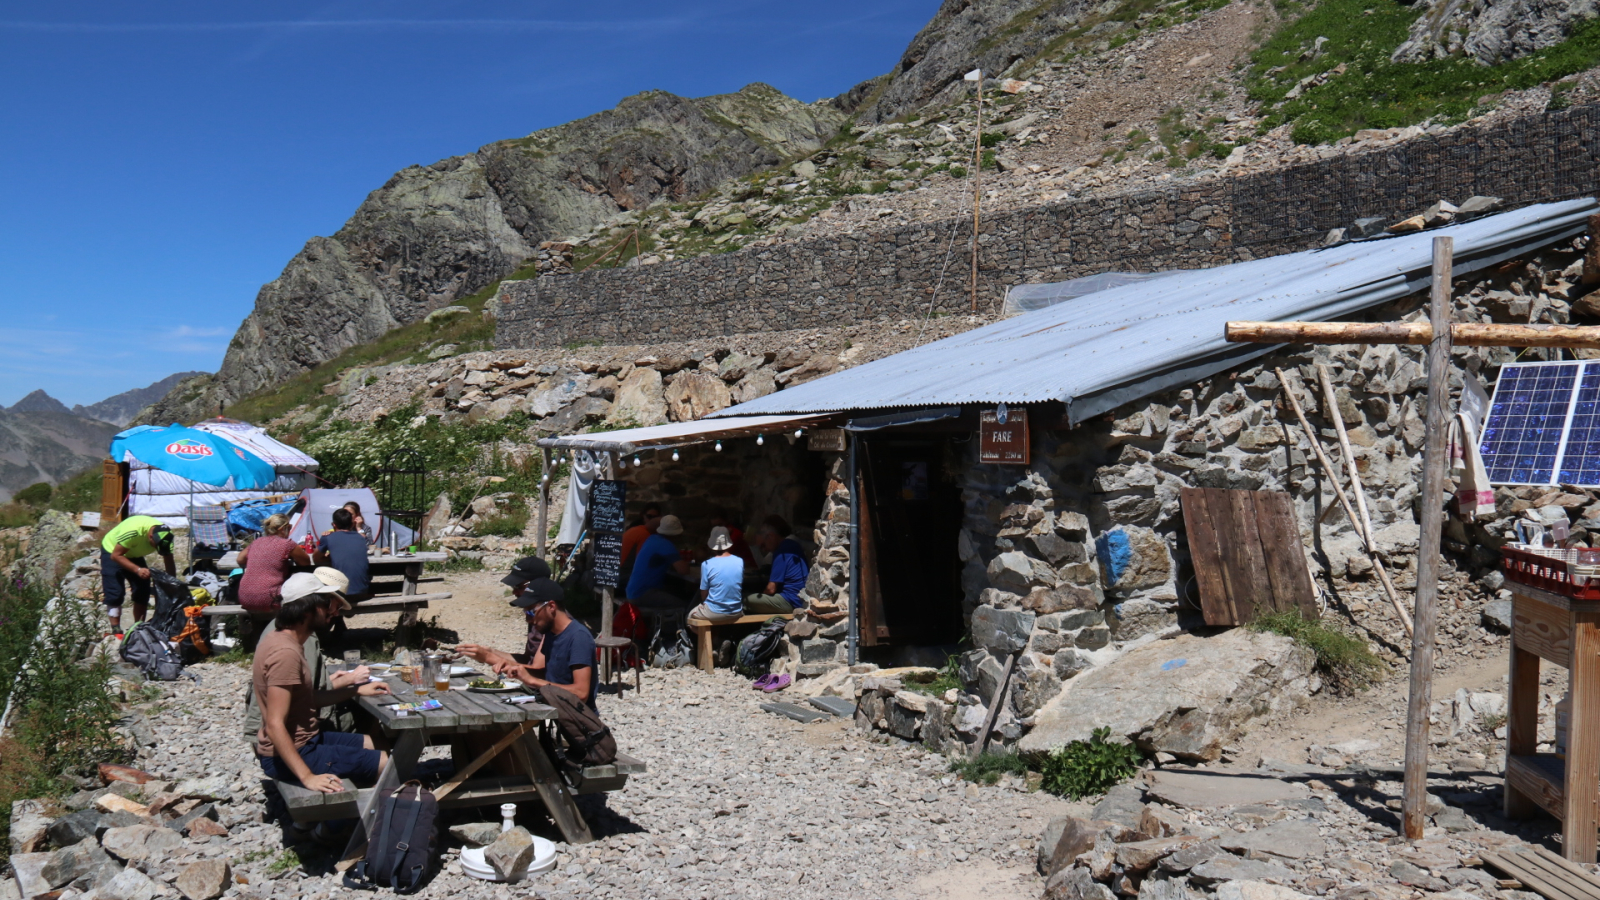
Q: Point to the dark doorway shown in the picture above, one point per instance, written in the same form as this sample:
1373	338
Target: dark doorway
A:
915	522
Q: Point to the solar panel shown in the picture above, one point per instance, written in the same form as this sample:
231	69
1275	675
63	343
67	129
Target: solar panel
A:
1544	425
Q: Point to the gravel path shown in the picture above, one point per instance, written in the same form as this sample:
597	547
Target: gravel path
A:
738	802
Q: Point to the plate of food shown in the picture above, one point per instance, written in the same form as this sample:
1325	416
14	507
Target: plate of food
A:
493	686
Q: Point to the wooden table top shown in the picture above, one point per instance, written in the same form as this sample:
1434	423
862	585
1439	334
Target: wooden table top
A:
463	710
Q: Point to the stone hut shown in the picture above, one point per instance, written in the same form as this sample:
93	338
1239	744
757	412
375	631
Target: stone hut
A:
1080	556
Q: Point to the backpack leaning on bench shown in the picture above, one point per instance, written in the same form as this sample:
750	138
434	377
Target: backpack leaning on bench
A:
588	740
400	847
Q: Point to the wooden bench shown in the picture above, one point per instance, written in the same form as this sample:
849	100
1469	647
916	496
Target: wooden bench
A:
306	806
703	628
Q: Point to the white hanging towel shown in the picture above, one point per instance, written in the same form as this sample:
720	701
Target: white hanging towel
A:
584	468
1474	495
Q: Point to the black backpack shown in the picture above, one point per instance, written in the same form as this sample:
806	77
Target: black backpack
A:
757	648
400	847
170	596
147	649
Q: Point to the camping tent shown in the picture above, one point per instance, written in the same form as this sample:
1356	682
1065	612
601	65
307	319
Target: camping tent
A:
168	496
316	514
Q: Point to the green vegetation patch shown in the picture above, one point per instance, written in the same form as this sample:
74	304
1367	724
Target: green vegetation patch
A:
1085	768
1343	659
989	766
1370	91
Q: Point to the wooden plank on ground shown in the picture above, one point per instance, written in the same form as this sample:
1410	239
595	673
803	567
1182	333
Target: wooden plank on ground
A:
1206	552
1542	871
1287	572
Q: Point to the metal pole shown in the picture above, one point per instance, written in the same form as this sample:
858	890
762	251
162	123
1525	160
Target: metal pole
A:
977	170
544	498
855	548
1414	801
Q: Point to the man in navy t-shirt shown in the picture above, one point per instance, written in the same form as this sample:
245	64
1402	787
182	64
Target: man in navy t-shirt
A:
346	550
566	659
789	571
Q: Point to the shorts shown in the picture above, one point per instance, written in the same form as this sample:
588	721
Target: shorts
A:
330	753
114	581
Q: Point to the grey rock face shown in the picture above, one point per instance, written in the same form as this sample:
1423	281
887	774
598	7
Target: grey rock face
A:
204	880
1497	616
1187	696
1001	631
435	234
1492	31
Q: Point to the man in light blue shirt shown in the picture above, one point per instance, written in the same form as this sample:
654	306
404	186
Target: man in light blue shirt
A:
721	581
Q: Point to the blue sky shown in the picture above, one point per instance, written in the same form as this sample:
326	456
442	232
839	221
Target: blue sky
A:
164	160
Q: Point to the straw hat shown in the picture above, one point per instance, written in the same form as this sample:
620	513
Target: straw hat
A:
719	539
670	526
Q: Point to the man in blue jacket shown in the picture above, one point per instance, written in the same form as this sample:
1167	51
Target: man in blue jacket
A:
789	571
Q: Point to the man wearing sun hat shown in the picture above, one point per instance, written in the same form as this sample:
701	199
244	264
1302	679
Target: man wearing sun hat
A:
721	581
122	553
316	663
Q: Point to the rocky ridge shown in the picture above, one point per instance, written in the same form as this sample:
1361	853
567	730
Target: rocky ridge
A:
434	234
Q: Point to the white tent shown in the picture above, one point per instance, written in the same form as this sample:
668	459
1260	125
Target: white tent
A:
316	517
152	492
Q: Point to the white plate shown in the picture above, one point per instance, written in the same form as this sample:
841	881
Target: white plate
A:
456	671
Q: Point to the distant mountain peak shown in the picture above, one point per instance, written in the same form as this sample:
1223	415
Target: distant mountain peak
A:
39	401
121	409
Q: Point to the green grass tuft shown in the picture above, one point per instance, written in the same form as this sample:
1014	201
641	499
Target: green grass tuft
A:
1342	658
1085	768
989	766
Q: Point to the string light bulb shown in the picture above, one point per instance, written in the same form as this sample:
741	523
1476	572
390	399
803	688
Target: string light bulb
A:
760	439
719	446
797	432
636	463
674	456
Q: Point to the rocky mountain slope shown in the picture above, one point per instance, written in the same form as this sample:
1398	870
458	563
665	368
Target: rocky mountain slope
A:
48	445
40	402
434	234
121	409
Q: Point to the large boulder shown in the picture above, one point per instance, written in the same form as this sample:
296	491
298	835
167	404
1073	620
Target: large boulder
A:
640	400
1189	696
55	534
556	393
695	394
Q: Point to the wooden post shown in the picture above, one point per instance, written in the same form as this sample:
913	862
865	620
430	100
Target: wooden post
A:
1337	417
1414	801
977	195
1583	741
1001	691
1462	334
544	499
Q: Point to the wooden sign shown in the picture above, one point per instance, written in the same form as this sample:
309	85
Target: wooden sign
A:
1005	443
827	440
607	559
608	506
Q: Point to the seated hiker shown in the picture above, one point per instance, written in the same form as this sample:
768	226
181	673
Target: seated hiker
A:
346	550
122	565
268	560
291	746
334	718
529	578
649	518
567	654
721	581
360	523
741	548
658	581
789	570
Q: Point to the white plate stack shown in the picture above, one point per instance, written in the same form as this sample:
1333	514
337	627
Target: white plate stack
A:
473	863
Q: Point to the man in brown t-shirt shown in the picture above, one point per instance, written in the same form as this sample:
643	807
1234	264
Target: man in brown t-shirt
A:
290	745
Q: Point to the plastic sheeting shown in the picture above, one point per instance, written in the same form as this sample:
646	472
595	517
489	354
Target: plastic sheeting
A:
1023	298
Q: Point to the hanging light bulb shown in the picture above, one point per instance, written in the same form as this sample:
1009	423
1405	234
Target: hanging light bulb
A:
719	446
760	439
674	456
636	463
797	432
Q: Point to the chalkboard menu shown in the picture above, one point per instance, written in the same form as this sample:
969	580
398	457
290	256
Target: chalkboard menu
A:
608	506
608	516
607	559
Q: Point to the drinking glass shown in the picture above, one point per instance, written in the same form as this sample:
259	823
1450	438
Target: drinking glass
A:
422	680
352	660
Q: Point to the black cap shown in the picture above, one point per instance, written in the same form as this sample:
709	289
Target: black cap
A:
539	591
163	538
525	570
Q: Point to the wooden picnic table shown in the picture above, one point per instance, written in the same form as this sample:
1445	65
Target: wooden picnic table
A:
469	721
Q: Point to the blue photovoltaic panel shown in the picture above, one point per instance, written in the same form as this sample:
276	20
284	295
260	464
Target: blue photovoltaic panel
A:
1580	464
1522	440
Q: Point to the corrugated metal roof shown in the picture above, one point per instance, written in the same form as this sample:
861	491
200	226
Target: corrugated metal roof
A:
1099	351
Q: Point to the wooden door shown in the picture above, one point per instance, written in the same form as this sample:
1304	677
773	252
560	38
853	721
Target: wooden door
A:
1248	558
113	488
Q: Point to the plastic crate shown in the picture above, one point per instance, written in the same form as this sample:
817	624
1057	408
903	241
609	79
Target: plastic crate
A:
1570	573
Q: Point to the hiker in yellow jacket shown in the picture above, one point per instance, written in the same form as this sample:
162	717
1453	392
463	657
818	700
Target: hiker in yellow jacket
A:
122	563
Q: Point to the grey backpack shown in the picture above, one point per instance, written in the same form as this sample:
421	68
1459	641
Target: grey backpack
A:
148	651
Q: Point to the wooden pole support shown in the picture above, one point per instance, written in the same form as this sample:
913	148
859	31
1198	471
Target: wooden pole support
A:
1001	691
1344	501
1416	333
1414	801
977	192
460	777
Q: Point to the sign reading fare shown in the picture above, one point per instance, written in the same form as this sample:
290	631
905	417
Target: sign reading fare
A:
1003	442
608	514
